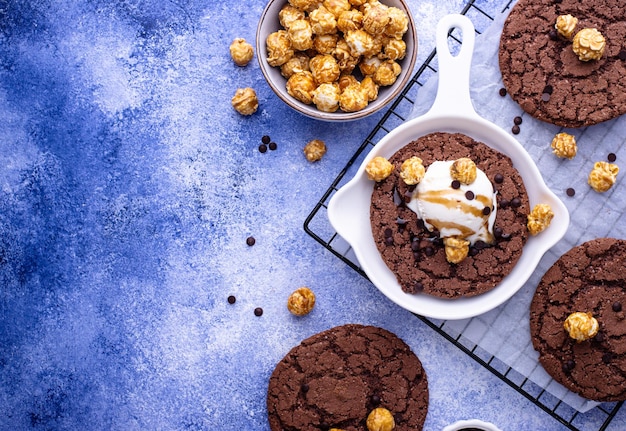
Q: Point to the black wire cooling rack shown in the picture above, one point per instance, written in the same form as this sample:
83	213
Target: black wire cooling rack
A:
317	225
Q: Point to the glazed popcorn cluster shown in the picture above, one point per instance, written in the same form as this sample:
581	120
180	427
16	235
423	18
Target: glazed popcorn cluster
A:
588	44
324	45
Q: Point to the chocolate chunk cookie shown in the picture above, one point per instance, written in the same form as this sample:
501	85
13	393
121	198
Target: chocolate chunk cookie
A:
544	76
335	378
417	256
590	278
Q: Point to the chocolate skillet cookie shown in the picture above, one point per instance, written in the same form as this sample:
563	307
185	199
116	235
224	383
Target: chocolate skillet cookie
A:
337	378
578	321
544	75
417	256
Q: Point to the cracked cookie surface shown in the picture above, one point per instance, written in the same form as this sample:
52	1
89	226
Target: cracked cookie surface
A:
588	278
544	76
335	378
415	256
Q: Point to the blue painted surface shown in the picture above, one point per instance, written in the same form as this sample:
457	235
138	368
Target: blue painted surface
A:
128	187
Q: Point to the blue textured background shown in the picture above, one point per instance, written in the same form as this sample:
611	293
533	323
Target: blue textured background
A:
128	186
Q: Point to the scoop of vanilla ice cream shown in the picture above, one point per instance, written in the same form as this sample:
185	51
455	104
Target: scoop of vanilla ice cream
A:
467	212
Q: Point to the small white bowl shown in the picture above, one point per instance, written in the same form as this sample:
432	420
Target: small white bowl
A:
472	425
269	23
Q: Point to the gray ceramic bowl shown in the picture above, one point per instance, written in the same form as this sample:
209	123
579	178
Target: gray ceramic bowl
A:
269	23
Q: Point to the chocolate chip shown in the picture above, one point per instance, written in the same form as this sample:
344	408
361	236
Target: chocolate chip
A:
273	146
388	233
265	139
258	311
612	157
486	210
456	184
617	307
232	299
607	357
304	388
389	240
415	245
568	365
622	54
375	399
502	92
570	192
429	251
517	120
250	241
515	130
473	251
498	178
516	202
469	195
497	232
262	148
419	287
553	35
599	337
548	89
480	245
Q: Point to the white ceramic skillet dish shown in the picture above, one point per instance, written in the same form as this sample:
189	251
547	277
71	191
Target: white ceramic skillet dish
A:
452	111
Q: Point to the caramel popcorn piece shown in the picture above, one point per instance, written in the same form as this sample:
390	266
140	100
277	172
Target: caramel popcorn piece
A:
314	150
539	218
357	3
289	14
241	51
345	80
602	176
387	73
378	168
279	49
325	43
394	49
456	249
337	6
360	43
323	21
298	63
301	85
301	35
347	62
565	25
350	20
463	170
353	98
398	23
564	146
245	101
370	88
589	44
369	65
301	301
324	68
326	97
380	419
581	326
375	17
412	171
304	5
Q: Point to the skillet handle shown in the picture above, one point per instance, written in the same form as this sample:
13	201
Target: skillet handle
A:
453	87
